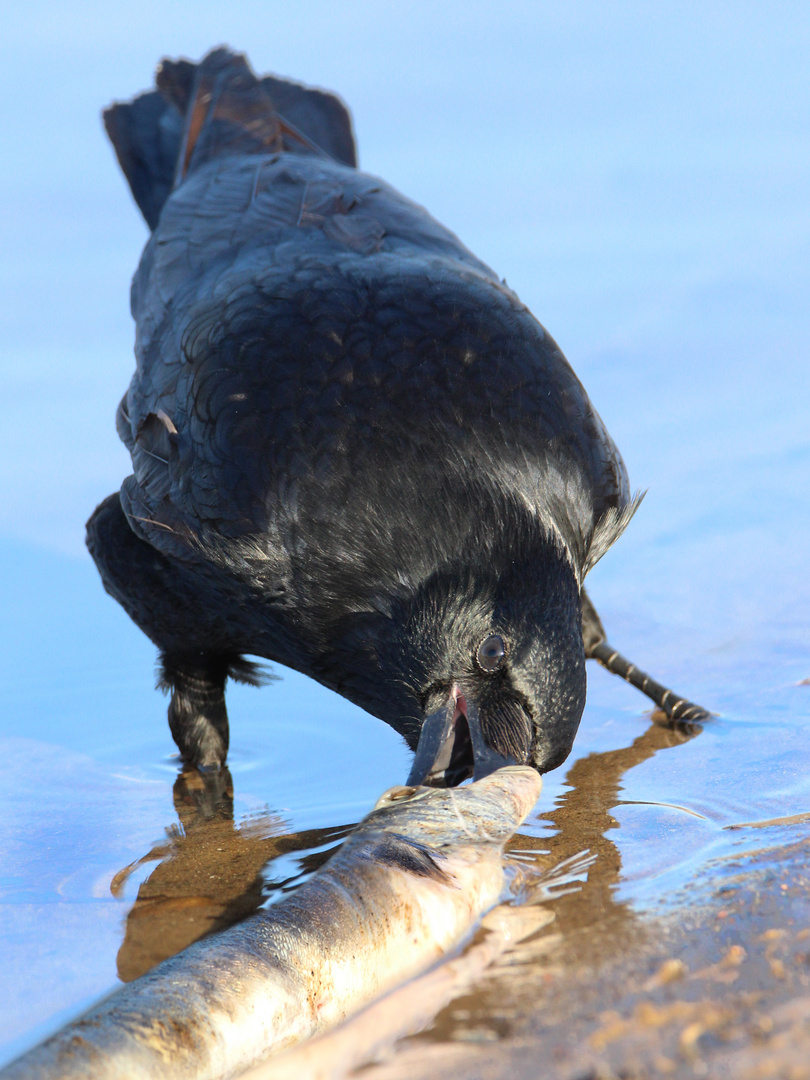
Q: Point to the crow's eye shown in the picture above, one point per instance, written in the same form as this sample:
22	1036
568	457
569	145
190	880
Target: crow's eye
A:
491	652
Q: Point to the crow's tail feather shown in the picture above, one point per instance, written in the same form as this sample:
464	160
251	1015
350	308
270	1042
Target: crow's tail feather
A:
218	107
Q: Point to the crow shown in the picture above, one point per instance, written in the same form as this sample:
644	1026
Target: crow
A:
354	450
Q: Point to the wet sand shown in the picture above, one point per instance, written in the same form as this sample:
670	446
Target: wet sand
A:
720	988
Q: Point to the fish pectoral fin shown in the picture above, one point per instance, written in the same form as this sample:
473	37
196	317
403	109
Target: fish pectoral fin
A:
394	849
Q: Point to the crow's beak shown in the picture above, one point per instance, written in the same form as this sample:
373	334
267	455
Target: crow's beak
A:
452	748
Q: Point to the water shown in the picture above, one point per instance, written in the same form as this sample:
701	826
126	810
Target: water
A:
641	179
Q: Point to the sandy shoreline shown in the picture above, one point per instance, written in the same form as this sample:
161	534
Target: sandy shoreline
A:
719	987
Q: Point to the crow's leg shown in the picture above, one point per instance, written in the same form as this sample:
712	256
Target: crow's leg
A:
598	648
198	718
168	600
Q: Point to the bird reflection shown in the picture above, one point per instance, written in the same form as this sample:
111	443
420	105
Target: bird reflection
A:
583	821
209	873
591	925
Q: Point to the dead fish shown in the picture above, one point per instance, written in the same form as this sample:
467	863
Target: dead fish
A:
500	942
407	887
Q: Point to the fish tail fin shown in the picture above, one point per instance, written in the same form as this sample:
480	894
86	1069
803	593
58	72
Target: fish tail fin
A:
216	108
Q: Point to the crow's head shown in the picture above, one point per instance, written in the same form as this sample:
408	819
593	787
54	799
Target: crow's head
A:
495	661
479	665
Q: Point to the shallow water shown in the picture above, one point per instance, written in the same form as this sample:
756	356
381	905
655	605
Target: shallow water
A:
644	188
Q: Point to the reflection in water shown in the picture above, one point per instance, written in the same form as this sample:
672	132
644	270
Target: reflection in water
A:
209	872
583	821
591	924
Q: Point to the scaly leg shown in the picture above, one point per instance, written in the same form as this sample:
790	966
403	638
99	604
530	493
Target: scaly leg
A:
598	648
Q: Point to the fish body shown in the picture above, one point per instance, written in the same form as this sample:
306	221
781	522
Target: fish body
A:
405	888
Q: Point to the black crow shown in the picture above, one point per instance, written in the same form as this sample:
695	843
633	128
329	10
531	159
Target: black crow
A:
354	450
